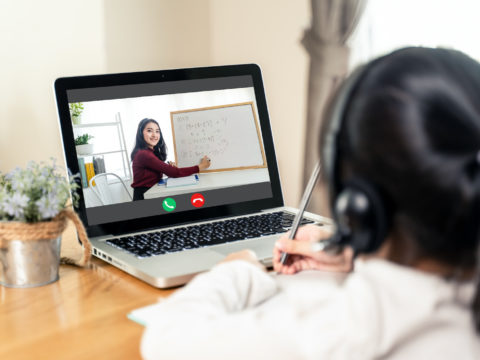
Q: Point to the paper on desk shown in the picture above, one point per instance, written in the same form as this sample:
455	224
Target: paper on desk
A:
143	314
182	181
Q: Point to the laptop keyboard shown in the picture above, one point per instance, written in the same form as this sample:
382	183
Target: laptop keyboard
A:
191	237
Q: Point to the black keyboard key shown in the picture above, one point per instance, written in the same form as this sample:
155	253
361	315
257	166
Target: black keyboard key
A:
306	221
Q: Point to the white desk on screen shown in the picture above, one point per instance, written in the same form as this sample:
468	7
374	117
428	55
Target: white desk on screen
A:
210	181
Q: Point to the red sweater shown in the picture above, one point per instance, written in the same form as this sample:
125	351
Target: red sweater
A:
148	169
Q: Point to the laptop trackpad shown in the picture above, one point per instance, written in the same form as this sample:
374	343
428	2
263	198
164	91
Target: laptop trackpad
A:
262	247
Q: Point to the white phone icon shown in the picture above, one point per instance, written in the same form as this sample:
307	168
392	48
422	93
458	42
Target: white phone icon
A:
198	199
168	206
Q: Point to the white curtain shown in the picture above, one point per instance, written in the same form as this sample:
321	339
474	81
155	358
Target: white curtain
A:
333	21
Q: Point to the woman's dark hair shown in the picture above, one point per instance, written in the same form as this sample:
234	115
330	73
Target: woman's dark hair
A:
160	150
412	127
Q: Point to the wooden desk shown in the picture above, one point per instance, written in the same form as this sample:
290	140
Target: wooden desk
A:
211	181
81	316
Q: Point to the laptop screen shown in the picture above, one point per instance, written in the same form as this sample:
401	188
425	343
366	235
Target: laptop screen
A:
140	144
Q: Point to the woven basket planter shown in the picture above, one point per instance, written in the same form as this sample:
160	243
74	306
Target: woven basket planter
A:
30	252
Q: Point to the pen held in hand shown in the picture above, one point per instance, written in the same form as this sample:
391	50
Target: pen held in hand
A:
303	205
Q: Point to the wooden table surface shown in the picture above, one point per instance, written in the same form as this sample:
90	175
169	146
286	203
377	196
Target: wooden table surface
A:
80	316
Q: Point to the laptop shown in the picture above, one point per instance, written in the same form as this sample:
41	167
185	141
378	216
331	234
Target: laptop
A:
182	227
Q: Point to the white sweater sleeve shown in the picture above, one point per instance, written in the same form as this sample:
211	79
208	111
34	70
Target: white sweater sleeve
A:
236	311
188	324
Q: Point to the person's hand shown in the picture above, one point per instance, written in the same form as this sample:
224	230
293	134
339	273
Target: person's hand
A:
302	257
204	163
172	163
245	255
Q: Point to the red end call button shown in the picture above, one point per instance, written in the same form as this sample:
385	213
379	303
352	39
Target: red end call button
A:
197	200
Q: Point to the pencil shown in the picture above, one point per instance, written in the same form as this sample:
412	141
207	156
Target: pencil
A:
303	205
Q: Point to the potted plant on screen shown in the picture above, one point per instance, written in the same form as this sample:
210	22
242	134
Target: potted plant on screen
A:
82	144
34	212
76	110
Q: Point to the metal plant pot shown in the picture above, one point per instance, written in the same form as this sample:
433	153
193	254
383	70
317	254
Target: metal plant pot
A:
30	252
29	263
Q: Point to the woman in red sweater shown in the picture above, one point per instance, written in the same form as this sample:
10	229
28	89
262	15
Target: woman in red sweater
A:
148	159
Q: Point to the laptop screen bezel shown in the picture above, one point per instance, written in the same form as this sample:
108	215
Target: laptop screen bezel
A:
62	85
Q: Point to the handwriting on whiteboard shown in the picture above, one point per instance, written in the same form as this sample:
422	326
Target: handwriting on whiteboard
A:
229	135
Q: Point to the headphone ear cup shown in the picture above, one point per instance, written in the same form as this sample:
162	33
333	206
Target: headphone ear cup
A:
361	217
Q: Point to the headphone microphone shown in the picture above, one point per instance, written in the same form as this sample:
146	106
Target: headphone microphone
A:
360	218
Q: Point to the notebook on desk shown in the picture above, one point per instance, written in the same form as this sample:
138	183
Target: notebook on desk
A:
178	232
182	181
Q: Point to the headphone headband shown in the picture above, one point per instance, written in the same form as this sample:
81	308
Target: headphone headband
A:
330	146
358	209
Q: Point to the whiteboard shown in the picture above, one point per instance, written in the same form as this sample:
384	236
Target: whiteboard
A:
228	134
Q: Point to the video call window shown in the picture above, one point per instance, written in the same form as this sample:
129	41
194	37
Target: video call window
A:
220	124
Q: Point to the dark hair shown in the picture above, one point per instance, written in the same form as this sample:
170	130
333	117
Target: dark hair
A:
412	127
160	150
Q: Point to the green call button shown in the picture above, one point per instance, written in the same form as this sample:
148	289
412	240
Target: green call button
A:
169	204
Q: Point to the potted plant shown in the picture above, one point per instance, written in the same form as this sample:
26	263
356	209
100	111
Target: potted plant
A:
34	211
76	110
82	145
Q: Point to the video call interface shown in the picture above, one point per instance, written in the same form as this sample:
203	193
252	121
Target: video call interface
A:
215	118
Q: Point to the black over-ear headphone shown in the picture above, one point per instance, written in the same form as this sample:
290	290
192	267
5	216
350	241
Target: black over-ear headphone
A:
360	213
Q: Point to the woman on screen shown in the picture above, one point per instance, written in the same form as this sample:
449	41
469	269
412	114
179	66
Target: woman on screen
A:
148	159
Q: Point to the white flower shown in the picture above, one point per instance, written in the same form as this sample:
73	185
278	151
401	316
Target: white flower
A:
47	207
33	194
14	206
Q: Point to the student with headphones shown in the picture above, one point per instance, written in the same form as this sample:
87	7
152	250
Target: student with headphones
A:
400	151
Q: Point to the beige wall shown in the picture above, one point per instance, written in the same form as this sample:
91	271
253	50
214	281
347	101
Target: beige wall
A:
42	40
268	33
39	41
156	34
